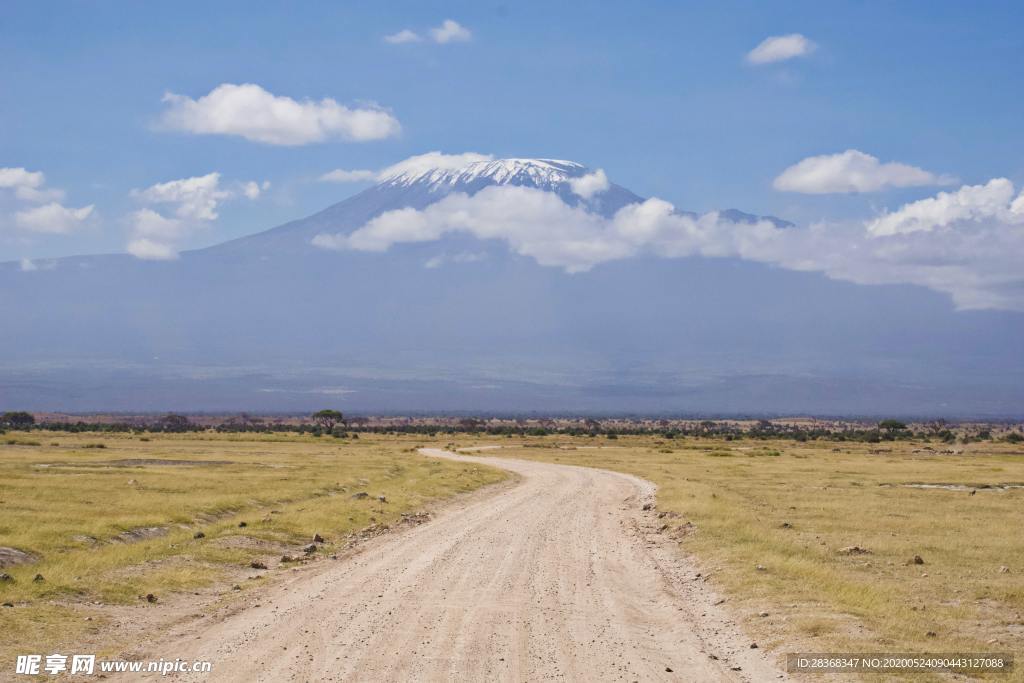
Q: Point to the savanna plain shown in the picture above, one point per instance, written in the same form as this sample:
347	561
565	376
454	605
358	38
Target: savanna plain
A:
816	546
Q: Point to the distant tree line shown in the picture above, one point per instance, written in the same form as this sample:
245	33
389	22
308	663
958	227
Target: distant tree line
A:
331	422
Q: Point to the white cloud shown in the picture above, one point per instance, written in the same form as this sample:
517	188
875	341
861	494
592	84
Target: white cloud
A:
340	175
975	259
151	224
193	204
402	37
195	198
20	177
150	250
971	203
253	190
588	185
450	31
251	112
52	218
780	48
28	185
852	171
976	262
28	265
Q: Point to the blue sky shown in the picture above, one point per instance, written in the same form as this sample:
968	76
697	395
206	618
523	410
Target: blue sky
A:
659	95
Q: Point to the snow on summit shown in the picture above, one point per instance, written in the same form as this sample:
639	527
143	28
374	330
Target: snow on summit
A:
541	173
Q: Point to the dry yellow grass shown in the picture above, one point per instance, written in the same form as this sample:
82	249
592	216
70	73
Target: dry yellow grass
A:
792	507
70	503
788	507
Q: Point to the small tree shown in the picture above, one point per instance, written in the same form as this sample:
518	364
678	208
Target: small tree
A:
172	422
892	426
326	419
17	419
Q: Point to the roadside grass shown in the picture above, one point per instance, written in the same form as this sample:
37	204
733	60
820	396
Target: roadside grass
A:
110	524
775	523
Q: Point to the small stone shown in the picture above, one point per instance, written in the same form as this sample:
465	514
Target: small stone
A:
931	634
648	506
38	578
6	578
761	568
242	525
786	525
150	598
8	604
762	614
668	669
309	549
1004	570
916	559
236	587
317	538
256	564
199	534
753	646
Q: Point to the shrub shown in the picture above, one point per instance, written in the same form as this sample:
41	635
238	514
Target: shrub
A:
17	419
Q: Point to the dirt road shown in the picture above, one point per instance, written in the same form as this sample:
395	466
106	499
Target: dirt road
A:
557	577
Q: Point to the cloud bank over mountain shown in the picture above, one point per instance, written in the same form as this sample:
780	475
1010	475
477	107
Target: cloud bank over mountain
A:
963	244
992	204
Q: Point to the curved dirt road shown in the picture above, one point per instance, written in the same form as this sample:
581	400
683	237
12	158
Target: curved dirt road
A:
552	578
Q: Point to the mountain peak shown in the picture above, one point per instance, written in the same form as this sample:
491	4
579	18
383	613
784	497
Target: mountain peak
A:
543	173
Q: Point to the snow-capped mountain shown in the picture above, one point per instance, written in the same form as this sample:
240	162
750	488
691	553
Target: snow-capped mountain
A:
549	175
271	322
417	187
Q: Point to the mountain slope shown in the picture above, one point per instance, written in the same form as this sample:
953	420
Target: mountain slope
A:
269	322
